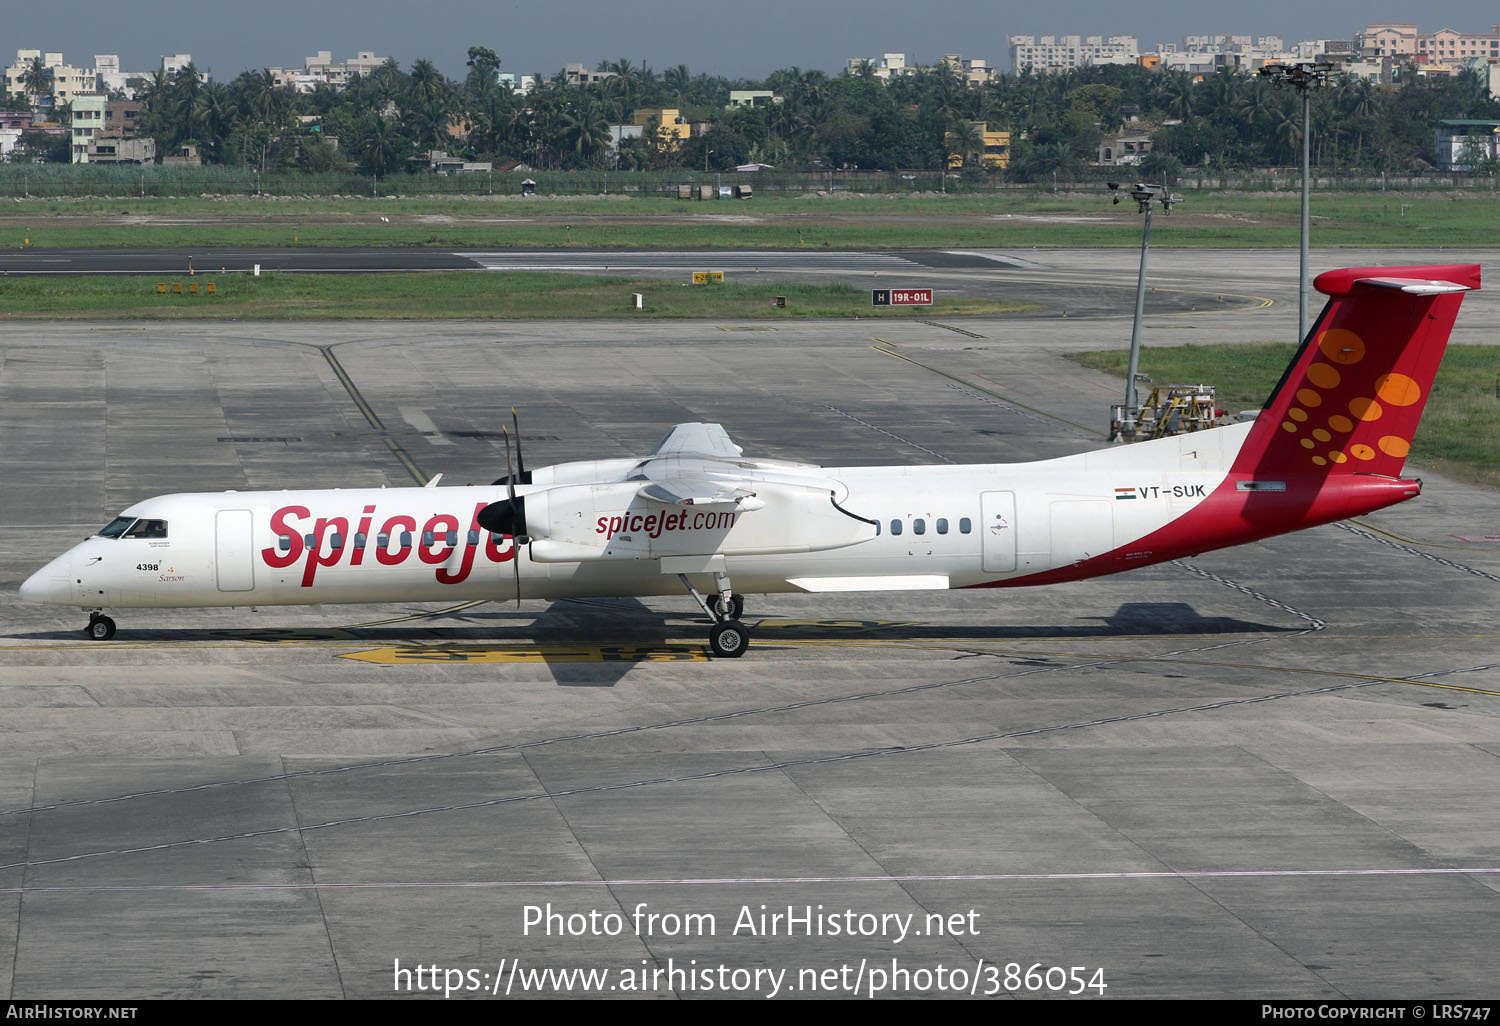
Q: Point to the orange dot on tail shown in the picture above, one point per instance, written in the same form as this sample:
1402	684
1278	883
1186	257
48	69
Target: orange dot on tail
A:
1296	414
1397	389
1365	409
1338	457
1341	423
1287	425
1342	346
1362	452
1320	461
1308	443
1394	446
1307	397
1323	376
1321	435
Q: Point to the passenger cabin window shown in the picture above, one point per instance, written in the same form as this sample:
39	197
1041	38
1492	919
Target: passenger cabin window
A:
895	527
919	526
147	529
942	525
359	539
965	525
284	542
116	527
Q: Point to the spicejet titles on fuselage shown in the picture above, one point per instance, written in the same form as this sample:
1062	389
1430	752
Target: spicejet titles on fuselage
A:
289	524
323	541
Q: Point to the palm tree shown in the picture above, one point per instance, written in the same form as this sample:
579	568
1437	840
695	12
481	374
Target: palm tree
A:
677	80
965	140
383	144
426	82
37	81
585	132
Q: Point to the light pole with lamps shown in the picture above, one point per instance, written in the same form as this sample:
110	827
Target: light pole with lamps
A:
1302	77
1124	422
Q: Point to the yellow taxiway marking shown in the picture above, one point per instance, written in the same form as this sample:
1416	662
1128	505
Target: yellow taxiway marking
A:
531	654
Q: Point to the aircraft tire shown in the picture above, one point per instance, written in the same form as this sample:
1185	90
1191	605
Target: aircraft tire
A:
101	628
729	639
736	607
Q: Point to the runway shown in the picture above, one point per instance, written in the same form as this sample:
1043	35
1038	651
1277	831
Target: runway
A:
1266	773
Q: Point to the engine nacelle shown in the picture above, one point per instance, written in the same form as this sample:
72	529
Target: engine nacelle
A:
583	472
575	523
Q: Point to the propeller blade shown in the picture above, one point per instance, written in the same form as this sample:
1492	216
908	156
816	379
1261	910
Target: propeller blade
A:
520	459
514	510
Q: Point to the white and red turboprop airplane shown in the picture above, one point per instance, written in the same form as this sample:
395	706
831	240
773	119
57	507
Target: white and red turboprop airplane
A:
696	513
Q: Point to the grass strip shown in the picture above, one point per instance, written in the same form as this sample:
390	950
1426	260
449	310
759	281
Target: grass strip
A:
444	295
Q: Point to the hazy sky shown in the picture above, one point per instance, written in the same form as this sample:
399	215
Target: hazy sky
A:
737	39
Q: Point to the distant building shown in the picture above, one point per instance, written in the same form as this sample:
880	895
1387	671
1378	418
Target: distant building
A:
65	80
1388	39
1066	53
172	63
113	150
1126	148
87	120
187	153
974	71
890	65
752	97
322	69
1457	47
994	154
441	162
673	125
1460	144
577	73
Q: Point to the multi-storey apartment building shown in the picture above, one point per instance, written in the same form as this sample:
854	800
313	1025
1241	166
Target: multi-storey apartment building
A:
1064	53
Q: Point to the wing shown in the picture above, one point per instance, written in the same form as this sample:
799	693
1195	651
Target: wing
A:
709	441
696	465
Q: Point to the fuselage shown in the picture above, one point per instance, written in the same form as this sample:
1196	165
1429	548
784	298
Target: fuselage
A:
985	525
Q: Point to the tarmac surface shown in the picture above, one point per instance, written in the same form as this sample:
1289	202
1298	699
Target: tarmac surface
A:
1268	772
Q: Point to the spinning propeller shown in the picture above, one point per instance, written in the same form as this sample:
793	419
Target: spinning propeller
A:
508	516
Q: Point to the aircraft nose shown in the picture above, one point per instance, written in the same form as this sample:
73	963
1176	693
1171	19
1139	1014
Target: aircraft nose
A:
52	583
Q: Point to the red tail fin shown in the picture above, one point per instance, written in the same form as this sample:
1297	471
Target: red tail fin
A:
1351	400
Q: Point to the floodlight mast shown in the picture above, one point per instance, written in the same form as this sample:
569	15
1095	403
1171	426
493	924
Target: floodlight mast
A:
1303	77
1145	196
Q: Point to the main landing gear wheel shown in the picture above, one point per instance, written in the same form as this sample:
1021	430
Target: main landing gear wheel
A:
729	639
100	628
736	607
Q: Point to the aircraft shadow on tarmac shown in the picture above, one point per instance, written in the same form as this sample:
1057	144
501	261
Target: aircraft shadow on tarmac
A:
628	622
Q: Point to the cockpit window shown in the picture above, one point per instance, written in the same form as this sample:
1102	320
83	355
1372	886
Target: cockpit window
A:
116	527
147	529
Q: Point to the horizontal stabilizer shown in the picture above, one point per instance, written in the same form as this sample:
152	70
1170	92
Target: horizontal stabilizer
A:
1415	286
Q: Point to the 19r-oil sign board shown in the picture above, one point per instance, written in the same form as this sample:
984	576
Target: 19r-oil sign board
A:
900	297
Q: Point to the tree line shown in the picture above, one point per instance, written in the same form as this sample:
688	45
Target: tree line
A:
1221	123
